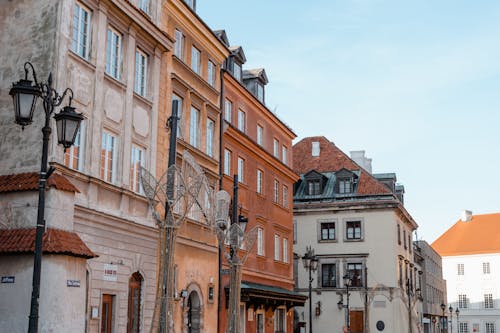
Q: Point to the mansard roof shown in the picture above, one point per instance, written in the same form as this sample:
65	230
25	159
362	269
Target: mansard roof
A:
221	34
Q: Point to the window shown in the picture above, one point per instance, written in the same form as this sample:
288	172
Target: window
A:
328	231
144	6
108	157
404	238
284	155
141	73
488	301
237	71
81	31
260	92
260	322
409	241
179	44
195	60
260	241
228	107
259	181
314	187
277	247
276	191
315	149
211	73
489	328
242	318
353	229
227	162
462	301
329	275
280	320
399	234
134	303
194	127
179	115
73	157
355	272
241	120
486	268
460	269
210	137
285	196
260	132
463	327
191	4
241	170
276	148
345	186
114	53
137	161
294	231
285	250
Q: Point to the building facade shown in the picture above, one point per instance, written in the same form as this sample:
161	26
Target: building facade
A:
471	265
361	234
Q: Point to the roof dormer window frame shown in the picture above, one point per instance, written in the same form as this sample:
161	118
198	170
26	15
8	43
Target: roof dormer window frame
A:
315	183
346	182
237	70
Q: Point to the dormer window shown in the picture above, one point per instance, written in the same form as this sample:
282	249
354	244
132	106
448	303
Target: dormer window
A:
346	181
315	183
314	187
260	92
191	4
237	71
345	186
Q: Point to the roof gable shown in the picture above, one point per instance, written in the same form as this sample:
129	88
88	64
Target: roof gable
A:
237	52
221	34
256	73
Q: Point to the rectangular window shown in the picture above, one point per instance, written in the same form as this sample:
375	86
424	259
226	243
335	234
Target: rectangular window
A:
211	71
228	107
486	268
409	242
284	155
399	234
241	120
314	187
462	301
179	115
404	239
81	31
460	269
259	181
285	250
242	318
294	231
241	170
328	231
280	320
260	322
285	196
108	157
73	157
345	186
277	247
237	71
194	127
144	6
179	44
260	132
137	161
114	53
488	301
210	137
276	148
463	327
355	272
353	229
260	92
227	162
276	191
489	328
260	241
195	60
329	276
141	73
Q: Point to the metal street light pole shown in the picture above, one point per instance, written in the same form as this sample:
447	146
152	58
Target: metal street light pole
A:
25	95
443	318
408	292
347	282
451	318
457	311
310	262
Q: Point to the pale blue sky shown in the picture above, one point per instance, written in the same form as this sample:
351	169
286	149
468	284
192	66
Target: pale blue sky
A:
414	83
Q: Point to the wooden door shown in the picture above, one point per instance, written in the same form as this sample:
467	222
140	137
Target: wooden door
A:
107	314
134	303
356	321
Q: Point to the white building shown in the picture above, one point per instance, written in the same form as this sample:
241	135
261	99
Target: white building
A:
471	266
358	227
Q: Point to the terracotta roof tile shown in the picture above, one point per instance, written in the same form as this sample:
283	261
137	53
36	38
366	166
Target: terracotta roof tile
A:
332	159
480	235
29	182
55	241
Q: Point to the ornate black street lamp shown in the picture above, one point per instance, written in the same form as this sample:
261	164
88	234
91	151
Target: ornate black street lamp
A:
347	283
451	318
457	311
443	318
310	262
25	95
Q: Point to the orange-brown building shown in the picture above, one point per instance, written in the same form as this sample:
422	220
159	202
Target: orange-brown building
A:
256	145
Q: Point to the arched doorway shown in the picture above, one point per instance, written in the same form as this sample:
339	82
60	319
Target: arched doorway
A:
134	303
193	313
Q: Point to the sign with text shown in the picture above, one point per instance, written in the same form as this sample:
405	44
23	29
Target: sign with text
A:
110	272
73	283
8	279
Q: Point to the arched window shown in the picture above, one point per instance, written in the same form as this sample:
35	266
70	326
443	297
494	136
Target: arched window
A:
134	303
193	313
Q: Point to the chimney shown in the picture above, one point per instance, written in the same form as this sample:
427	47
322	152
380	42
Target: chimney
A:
315	149
359	157
466	216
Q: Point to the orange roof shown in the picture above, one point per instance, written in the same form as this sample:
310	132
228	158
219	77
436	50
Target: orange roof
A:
332	159
479	235
29	182
55	241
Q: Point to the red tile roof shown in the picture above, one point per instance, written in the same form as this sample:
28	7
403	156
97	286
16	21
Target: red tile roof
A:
55	241
29	182
332	159
479	235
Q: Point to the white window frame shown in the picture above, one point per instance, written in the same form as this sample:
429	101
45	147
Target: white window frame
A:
194	127
276	148
488	302
276	191
460	269
180	115
486	268
277	318
80	43
260	241
195	60
179	44
286	258
237	71
277	247
137	160
209	144
211	73
284	155
109	142
284	196
260	134
227	162
77	150
141	72
260	92
228	109
241	170
463	301
144	6
260	178
114	53
489	327
241	120
463	327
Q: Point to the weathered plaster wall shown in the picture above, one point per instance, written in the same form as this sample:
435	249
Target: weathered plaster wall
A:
28	34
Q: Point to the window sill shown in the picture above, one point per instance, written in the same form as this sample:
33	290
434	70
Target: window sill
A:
347	240
328	241
115	81
143	99
81	60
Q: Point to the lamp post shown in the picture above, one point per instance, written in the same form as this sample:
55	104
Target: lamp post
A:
25	94
451	318
310	262
457	312
347	282
443	318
